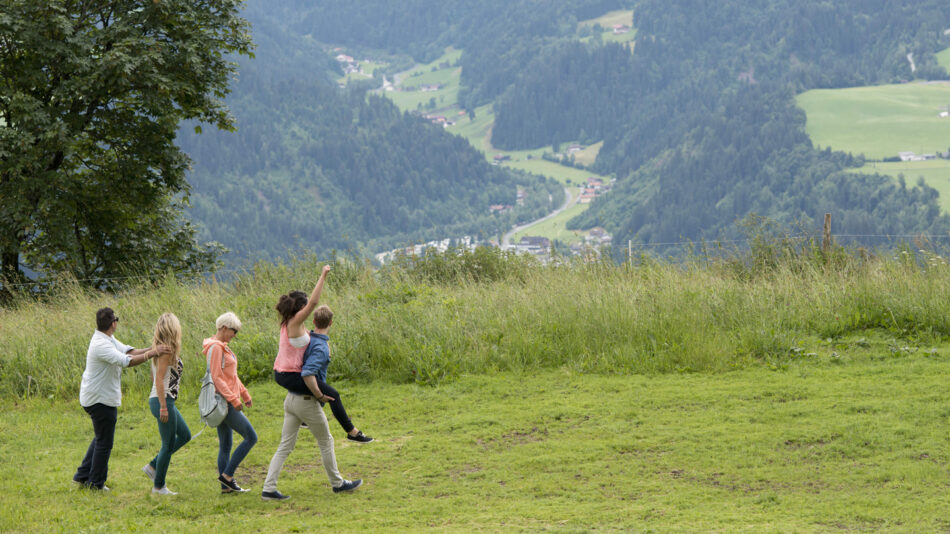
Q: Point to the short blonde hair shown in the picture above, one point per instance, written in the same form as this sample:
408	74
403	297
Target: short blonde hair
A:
228	320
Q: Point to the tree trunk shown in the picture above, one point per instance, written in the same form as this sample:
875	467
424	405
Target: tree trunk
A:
9	273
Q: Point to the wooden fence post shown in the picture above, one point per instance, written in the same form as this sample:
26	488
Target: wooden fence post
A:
826	239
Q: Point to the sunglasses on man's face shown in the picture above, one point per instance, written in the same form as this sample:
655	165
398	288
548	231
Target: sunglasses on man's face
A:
115	319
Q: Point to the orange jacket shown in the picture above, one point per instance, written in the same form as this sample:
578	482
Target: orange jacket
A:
226	380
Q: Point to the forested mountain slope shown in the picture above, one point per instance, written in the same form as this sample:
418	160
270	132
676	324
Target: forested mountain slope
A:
313	167
699	123
697	116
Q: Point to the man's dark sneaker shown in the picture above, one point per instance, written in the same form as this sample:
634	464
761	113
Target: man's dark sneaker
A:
230	484
274	496
360	437
98	488
348	485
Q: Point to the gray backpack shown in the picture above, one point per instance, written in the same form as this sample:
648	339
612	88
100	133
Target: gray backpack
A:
213	407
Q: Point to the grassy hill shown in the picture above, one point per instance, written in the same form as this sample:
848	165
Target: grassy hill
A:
854	442
556	227
936	174
442	72
879	121
806	393
943	58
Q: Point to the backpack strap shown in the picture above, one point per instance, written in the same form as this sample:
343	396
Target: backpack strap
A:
208	356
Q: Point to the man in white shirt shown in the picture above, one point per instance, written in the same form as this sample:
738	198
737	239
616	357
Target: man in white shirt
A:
100	394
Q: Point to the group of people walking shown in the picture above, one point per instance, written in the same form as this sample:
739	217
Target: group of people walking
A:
300	367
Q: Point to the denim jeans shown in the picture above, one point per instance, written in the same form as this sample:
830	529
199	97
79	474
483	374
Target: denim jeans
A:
234	422
94	469
174	435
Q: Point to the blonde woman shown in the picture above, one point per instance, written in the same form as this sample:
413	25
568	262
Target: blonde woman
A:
223	365
166	376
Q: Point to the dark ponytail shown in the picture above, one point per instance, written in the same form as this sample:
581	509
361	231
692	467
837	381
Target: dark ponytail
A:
288	305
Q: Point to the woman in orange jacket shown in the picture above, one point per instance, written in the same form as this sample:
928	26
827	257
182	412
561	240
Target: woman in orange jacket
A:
223	365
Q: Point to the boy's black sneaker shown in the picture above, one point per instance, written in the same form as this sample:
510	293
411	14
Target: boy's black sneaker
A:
348	485
274	496
360	437
230	484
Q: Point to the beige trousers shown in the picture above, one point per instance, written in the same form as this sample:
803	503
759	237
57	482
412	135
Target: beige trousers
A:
303	409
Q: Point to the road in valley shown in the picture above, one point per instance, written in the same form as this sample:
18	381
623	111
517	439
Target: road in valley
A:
568	202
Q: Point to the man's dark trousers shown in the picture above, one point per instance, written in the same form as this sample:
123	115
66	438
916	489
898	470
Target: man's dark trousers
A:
94	468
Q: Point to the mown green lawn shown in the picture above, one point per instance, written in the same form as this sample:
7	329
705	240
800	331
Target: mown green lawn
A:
851	436
879	121
936	174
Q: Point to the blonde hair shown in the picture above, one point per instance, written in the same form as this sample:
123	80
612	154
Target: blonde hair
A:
322	316
228	320
168	333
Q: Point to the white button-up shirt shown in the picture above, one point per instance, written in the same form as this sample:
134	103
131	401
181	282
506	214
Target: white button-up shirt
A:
102	379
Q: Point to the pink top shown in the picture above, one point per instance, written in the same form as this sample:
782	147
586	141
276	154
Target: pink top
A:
289	358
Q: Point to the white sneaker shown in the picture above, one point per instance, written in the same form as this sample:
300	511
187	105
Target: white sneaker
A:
149	472
163	491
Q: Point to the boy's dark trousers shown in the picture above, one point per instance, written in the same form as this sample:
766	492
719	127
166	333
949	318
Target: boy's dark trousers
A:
294	383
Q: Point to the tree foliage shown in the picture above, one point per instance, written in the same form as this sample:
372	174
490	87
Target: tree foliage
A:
91	97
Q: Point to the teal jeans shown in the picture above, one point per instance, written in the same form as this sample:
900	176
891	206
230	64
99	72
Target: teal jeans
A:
174	435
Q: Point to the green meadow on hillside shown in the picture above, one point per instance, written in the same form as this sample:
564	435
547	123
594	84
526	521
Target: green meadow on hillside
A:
936	174
367	68
556	227
943	58
607	22
879	121
565	175
882	121
408	95
588	154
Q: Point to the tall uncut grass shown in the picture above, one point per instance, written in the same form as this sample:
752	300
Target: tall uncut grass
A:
435	317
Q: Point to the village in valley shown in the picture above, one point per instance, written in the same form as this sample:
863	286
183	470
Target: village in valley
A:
589	245
431	92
